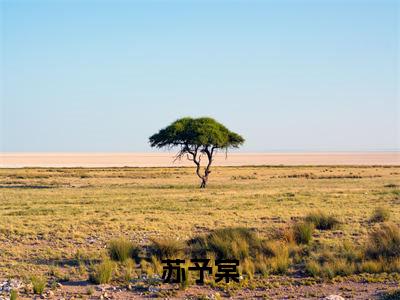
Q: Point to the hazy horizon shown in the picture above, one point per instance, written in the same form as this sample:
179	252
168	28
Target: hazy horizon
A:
290	76
173	151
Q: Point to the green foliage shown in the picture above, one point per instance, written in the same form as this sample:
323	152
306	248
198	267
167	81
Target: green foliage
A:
38	284
199	132
380	214
102	273
384	242
302	232
121	250
322	221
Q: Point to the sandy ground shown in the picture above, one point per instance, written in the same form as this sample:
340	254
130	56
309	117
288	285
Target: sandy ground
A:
16	160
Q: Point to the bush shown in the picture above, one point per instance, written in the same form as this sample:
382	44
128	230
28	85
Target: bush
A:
302	232
102	273
322	221
167	248
384	242
121	250
380	214
38	285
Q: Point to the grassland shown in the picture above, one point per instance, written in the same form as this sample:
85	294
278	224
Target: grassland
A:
52	220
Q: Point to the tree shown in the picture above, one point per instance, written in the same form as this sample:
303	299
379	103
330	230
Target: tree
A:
197	138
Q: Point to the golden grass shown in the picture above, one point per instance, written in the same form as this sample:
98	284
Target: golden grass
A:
55	218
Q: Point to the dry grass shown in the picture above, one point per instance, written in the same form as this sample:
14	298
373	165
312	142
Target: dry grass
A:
322	220
380	214
102	273
58	220
122	249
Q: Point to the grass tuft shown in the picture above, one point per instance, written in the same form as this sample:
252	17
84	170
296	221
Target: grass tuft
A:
302	232
279	264
380	214
102	273
226	243
167	248
38	284
384	242
322	221
122	249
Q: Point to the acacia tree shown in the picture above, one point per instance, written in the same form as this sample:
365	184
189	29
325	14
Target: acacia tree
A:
197	138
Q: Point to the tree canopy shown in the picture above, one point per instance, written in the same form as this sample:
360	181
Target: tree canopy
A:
202	132
197	137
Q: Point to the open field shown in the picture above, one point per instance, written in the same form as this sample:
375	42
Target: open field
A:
57	222
166	159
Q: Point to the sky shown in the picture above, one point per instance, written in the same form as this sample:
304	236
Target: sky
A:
102	76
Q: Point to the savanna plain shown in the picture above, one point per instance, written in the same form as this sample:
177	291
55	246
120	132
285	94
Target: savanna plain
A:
301	232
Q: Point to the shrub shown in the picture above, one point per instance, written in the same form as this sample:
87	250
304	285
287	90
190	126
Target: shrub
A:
380	214
38	285
384	242
121	250
102	273
322	221
302	232
167	248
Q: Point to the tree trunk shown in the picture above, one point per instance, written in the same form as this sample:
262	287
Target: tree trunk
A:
203	182
196	160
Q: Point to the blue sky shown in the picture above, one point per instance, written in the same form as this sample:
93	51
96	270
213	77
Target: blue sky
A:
287	75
